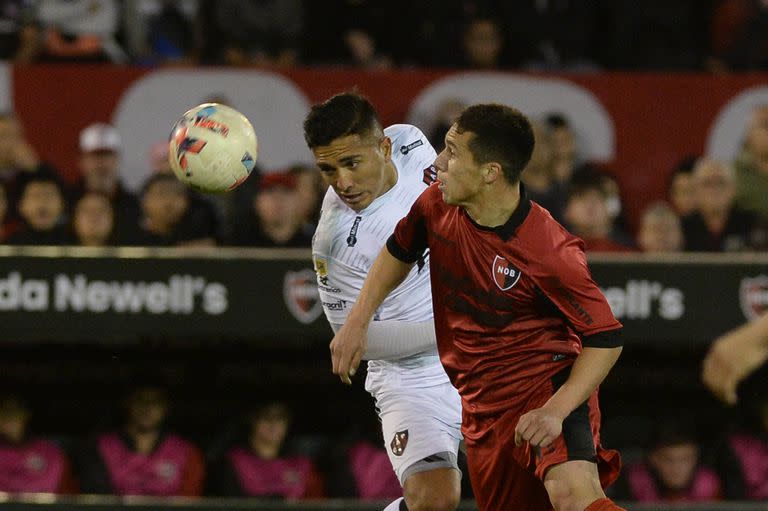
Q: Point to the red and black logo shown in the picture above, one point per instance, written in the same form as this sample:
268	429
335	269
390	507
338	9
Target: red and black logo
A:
399	442
504	274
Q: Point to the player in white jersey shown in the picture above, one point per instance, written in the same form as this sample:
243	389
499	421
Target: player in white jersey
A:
374	176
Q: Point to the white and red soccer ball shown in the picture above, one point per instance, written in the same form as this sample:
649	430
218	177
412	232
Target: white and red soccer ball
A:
212	148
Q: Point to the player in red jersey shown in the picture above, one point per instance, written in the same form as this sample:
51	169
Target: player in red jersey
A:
523	331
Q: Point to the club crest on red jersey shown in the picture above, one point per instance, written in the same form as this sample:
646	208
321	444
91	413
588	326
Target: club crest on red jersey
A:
504	274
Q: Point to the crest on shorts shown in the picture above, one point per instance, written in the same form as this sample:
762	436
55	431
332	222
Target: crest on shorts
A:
301	295
399	442
753	296
504	274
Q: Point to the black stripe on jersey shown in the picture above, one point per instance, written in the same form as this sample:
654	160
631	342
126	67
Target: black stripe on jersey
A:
577	430
400	253
607	339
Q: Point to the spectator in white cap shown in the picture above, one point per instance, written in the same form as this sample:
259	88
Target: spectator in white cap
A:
99	163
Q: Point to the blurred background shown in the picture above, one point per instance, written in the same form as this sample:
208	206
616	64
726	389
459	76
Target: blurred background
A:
138	315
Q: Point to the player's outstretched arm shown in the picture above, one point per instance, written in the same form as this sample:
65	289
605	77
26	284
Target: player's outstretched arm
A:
541	426
348	345
733	356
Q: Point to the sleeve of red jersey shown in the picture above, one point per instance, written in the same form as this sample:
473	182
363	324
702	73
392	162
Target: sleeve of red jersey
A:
565	279
409	241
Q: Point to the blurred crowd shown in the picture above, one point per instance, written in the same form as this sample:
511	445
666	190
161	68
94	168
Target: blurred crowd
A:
259	455
711	206
713	35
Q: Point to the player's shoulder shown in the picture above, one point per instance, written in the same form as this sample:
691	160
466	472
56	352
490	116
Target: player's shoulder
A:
408	140
546	240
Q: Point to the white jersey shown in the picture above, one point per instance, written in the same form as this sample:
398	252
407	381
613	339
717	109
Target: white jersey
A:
347	242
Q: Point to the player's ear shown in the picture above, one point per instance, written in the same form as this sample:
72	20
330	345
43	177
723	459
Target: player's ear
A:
491	172
386	148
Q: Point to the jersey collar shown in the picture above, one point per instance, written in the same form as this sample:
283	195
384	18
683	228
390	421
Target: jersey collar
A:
518	216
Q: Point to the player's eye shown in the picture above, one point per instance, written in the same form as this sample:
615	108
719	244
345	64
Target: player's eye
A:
353	164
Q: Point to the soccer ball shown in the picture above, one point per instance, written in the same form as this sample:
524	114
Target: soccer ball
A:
212	148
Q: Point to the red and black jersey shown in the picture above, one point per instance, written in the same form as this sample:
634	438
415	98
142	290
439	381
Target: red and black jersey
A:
513	304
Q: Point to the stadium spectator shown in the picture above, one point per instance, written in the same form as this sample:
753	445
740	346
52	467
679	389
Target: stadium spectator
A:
660	230
80	30
564	148
356	35
654	34
538	177
671	470
372	472
553	35
260	467
247	32
29	464
446	114
718	224
752	165
98	164
587	215
310	189
165	203
142	457
201	221
17	159
274	219
482	44
743	461
42	210
739	36
19	33
162	31
680	190
93	220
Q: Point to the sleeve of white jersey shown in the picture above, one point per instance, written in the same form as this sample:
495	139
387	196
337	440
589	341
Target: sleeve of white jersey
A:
412	144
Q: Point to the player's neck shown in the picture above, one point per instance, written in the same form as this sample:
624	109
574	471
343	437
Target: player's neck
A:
494	207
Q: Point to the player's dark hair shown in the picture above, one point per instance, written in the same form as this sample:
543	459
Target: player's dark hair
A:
340	116
502	134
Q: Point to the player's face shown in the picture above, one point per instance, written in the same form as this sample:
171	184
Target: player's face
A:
357	168
458	174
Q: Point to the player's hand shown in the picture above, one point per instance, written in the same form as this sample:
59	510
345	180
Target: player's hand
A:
347	348
539	427
731	358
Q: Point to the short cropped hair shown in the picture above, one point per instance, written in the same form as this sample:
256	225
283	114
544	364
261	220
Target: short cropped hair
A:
340	116
502	135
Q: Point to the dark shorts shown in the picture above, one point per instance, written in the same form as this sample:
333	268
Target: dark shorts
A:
505	476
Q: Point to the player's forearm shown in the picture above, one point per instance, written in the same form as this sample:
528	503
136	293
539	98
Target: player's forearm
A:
589	370
385	275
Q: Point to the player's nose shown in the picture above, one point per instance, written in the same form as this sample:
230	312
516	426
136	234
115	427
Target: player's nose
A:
440	160
344	181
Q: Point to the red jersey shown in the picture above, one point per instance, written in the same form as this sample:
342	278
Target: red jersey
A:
512	304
